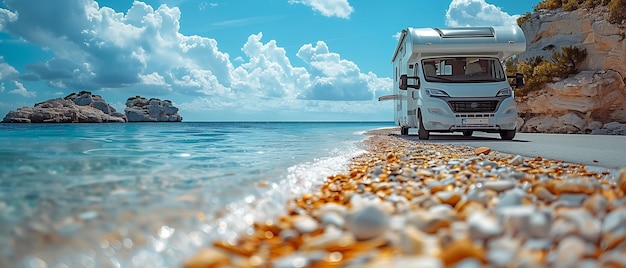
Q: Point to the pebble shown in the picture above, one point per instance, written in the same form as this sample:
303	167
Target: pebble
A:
416	204
483	150
517	160
499	185
208	257
510	198
368	222
333	218
483	226
305	224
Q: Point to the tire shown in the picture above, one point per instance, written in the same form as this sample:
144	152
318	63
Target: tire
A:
467	133
404	131
507	134
422	133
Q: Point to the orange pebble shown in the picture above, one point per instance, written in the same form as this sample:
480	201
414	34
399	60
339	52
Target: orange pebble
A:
621	181
482	150
207	258
461	249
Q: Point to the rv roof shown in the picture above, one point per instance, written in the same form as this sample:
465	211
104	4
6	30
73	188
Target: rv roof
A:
498	41
465	32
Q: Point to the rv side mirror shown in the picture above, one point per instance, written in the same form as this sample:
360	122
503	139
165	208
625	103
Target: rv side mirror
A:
519	80
404	82
404	79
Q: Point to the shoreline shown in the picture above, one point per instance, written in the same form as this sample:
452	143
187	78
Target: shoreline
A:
413	204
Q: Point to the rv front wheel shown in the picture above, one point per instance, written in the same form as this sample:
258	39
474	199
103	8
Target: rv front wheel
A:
422	133
507	134
467	133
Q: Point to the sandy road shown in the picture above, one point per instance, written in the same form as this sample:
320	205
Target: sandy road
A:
591	150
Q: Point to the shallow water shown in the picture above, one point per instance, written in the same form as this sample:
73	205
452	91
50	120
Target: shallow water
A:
150	194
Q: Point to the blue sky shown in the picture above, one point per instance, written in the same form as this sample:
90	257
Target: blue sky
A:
223	60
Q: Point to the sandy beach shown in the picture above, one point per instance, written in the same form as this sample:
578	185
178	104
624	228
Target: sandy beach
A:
415	204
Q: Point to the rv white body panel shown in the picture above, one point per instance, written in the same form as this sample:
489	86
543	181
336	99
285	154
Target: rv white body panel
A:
456	80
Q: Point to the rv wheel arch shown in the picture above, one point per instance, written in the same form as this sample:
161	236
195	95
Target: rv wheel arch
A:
422	133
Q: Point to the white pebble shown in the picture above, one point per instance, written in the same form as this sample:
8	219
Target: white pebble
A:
482	226
499	185
368	222
305	224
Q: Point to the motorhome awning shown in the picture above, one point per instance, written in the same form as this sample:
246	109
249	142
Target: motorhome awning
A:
388	97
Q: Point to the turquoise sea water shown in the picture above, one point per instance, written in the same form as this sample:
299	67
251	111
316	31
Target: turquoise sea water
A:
150	194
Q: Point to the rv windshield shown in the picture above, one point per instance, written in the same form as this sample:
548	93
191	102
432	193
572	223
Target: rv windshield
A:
463	70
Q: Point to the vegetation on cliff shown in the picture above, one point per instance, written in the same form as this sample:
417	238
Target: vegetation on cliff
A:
537	70
617	8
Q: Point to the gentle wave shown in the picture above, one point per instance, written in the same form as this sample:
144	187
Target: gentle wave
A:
139	195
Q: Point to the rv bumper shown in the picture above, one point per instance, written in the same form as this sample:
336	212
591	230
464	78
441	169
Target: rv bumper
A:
439	117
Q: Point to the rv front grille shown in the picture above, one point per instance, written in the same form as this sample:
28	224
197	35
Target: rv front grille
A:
473	106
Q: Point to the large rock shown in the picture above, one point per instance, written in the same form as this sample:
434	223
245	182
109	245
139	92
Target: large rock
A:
586	28
140	109
82	107
586	101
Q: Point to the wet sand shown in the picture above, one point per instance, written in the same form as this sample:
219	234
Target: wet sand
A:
414	204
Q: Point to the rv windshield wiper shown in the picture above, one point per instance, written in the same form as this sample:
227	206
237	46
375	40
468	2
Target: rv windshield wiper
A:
438	78
483	80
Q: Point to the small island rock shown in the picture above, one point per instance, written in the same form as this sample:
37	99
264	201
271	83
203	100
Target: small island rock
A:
82	107
139	109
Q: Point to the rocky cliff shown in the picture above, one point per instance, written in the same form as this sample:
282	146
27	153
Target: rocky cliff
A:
82	107
592	101
140	109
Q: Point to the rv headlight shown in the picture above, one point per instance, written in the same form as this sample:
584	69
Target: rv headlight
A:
505	92
436	93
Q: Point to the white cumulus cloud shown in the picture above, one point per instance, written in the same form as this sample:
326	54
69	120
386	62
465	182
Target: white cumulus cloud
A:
477	13
6	71
21	90
142	51
328	8
334	78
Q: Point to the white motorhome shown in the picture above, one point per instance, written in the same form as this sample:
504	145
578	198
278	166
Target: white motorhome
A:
452	80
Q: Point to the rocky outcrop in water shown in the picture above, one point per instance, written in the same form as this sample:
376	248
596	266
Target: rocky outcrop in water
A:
140	109
589	100
82	107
